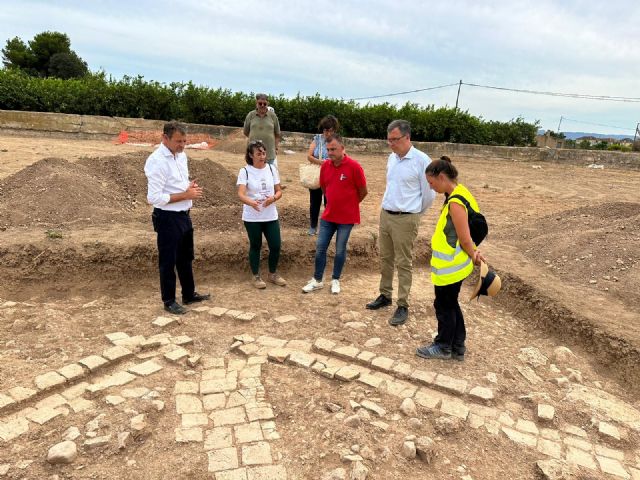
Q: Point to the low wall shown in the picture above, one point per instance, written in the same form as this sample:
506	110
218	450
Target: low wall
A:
88	126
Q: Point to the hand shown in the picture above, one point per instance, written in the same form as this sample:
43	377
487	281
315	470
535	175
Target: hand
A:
478	257
194	191
270	200
255	204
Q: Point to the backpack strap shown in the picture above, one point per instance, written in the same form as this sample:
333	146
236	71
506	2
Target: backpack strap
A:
463	200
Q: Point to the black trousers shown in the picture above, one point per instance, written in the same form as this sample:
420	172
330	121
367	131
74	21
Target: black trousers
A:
451	330
175	253
315	201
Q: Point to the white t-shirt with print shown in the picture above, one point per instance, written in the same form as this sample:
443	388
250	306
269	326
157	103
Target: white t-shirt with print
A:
260	184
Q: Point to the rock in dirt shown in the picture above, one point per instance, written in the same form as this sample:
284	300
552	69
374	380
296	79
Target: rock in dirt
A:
414	423
71	433
409	450
138	423
333	407
408	407
532	356
563	356
425	449
359	472
447	425
555	470
372	342
122	440
337	474
352	421
62	453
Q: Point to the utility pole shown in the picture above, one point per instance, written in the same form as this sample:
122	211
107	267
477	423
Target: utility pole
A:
559	123
635	135
458	96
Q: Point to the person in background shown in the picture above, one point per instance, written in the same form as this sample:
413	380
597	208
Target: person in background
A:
343	182
172	193
259	189
262	124
317	154
406	197
452	259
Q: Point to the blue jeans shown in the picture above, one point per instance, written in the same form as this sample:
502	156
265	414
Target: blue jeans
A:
327	229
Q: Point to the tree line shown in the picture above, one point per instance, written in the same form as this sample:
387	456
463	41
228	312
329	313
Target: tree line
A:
45	75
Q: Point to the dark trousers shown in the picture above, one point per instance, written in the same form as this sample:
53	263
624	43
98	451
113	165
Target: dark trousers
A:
315	201
271	231
175	253
451	330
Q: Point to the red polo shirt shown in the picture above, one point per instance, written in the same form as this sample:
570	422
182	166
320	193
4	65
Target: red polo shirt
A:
340	185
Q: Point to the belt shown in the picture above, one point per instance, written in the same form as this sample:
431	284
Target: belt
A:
391	212
160	210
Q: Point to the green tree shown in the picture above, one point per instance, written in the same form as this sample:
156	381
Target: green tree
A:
48	54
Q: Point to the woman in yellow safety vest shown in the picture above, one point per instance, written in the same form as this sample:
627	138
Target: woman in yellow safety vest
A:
452	258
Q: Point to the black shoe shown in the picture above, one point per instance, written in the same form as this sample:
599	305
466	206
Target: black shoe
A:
175	308
196	298
457	356
379	302
399	317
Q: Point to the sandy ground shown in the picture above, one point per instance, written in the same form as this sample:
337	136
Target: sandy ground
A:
78	255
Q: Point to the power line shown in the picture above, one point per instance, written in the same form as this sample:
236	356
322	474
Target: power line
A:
598	124
404	93
559	94
606	98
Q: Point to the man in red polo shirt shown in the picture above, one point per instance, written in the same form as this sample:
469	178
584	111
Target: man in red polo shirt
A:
344	185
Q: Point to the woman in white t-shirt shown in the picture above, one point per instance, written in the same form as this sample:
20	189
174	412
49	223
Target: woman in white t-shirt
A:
259	189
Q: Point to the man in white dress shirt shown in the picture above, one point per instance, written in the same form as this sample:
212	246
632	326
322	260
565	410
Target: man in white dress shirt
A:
172	193
406	198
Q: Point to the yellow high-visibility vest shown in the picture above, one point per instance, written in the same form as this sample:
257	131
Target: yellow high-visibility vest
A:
449	262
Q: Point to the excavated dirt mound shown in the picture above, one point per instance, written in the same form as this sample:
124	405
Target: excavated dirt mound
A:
591	245
53	193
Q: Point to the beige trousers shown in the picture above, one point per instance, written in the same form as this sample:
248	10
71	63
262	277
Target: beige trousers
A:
397	234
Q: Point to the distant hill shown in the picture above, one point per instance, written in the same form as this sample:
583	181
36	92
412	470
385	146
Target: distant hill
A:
574	135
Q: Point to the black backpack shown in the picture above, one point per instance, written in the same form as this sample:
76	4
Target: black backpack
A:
477	223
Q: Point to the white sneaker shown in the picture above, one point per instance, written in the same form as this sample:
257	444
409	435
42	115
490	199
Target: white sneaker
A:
335	286
312	285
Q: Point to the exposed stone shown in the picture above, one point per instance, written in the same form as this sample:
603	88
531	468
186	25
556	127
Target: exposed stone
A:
44	415
526	426
546	412
409	450
301	359
573	430
222	459
217	311
323	345
117	353
219	437
352	421
347	374
359	471
248	432
532	356
267	341
450	384
246	350
563	355
136	392
603	451
256	454
374	407
608	405
612	467
246	316
607	430
267	472
260	413
578	443
177	354
146	368
447	425
93	362
348	352
21	393
188	404
163	322
528	373
138	423
13	428
182	340
382	363
123	437
424	377
337	474
372	380
72	371
365	356
373	342
519	437
356	325
184	435
62	453
97	441
190	420
286	318
550	448
185	387
428	398
555	470
408	407
454	408
425	449
228	416
71	433
232	313
482	393
49	380
114	400
579	457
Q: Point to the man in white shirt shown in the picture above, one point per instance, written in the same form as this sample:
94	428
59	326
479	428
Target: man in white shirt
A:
406	198
171	193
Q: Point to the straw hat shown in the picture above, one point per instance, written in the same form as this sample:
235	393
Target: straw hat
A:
489	283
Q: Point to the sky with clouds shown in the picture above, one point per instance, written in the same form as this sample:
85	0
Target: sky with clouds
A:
351	49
